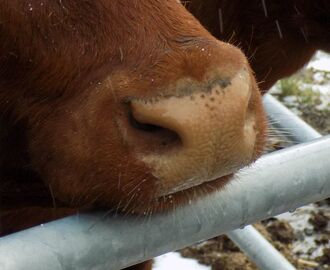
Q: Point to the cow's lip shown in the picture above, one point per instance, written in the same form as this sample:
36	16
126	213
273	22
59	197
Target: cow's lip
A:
170	202
220	182
206	182
184	197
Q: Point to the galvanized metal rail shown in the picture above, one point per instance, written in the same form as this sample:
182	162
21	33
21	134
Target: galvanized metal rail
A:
259	250
276	183
282	118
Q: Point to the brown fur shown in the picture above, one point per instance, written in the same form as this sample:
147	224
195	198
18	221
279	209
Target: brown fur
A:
67	72
278	39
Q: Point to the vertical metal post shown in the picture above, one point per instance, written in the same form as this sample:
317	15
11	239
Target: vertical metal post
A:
259	250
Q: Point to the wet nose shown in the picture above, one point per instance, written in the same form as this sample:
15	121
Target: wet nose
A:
204	130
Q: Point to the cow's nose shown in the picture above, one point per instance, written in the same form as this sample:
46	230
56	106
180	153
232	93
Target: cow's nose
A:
204	131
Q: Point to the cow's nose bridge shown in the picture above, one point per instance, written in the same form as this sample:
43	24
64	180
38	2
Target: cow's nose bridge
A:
189	87
207	60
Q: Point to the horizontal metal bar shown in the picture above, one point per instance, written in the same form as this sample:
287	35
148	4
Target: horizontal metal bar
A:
282	118
276	183
259	250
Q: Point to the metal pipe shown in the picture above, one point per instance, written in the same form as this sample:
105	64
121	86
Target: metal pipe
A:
276	183
254	245
285	120
259	250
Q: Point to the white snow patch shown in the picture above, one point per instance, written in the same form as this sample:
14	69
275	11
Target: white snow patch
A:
320	62
299	221
174	261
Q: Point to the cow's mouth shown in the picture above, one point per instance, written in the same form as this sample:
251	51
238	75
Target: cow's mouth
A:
174	200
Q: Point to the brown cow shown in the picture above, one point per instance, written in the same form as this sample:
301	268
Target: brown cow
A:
278	37
128	105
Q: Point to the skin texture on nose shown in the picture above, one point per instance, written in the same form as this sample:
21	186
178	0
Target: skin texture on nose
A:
215	128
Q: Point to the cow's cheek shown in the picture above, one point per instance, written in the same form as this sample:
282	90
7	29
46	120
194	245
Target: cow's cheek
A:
84	160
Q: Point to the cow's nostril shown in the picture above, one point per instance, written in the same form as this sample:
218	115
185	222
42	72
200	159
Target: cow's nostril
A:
142	126
152	138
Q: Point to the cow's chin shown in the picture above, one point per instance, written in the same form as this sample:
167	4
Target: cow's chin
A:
172	201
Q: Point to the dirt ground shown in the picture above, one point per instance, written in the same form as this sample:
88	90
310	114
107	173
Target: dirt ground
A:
303	237
222	254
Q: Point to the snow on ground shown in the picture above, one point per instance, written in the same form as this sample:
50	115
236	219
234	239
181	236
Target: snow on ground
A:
320	84
299	221
321	61
174	261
